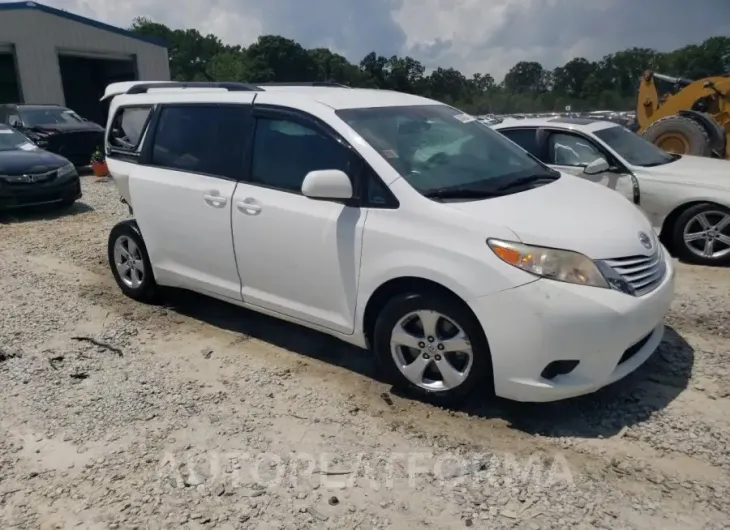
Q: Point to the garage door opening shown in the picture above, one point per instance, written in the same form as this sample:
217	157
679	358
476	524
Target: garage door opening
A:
85	78
9	85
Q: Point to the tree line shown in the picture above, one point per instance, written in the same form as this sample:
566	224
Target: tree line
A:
609	83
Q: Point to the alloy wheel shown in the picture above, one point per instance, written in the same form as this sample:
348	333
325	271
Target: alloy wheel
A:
707	234
129	262
431	350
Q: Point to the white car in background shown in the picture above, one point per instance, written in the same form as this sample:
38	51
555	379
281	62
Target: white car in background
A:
393	222
686	198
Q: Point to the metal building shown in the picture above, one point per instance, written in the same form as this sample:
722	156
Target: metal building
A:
52	56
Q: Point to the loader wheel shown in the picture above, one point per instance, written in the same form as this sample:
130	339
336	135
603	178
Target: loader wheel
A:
679	135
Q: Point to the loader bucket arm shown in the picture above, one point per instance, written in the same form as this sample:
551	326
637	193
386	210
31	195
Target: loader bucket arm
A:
650	106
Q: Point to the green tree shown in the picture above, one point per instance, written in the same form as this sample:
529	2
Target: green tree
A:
526	76
189	51
609	83
278	59
570	80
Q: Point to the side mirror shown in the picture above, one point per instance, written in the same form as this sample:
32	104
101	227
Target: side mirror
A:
599	165
327	184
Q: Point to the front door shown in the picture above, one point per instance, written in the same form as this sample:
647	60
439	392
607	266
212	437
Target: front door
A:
182	192
571	153
297	256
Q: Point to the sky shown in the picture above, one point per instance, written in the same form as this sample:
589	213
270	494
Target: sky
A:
487	36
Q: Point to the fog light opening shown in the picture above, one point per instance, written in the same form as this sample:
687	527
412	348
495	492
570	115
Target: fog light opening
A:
556	368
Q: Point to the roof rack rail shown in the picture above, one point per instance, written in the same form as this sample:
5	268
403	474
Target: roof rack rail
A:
230	86
307	83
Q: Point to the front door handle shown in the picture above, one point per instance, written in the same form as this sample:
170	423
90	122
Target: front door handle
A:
248	206
215	201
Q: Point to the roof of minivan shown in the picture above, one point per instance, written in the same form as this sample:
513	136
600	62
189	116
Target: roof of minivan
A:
335	97
355	98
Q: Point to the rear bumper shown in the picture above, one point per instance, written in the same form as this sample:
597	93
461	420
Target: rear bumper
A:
14	197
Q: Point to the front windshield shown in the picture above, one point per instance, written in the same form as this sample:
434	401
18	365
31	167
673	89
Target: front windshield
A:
10	140
435	147
49	115
633	148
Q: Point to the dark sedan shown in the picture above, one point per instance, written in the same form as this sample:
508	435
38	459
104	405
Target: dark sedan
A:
30	176
56	129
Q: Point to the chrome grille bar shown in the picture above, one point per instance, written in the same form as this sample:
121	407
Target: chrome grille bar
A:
642	273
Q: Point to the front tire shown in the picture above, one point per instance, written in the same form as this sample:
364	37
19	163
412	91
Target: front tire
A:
701	235
130	262
432	346
680	135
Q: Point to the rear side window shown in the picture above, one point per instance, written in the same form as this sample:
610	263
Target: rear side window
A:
525	138
128	128
285	151
206	139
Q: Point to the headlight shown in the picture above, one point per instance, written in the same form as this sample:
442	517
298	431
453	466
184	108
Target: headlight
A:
551	263
66	170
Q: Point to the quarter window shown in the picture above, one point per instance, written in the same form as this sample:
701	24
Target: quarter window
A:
128	127
525	138
572	150
206	139
285	151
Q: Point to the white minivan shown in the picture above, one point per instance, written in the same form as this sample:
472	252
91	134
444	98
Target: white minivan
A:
392	222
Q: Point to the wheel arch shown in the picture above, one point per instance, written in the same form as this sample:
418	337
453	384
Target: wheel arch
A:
132	223
670	220
401	285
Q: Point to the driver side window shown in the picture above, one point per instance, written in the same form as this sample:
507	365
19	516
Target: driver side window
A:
571	150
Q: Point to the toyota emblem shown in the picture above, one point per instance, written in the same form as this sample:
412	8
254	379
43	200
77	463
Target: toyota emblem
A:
645	240
28	178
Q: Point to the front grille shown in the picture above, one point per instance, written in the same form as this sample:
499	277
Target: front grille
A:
30	179
642	273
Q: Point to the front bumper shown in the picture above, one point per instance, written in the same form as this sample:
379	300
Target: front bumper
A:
40	193
609	333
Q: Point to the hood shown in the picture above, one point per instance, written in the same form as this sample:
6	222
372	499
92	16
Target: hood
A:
692	170
569	213
67	127
36	161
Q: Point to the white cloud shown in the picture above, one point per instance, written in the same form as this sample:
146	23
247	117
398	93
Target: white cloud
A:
471	35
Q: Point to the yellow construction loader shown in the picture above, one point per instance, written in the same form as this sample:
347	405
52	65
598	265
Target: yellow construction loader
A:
688	117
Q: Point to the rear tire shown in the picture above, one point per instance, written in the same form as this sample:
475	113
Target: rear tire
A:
695	228
130	262
445	377
671	132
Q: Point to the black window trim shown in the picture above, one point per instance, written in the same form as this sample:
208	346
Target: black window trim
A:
525	128
358	165
145	153
125	154
540	147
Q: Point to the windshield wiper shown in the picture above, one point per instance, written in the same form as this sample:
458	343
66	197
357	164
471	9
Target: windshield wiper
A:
528	180
459	193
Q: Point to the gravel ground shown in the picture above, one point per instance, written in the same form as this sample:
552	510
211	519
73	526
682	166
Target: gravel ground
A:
197	415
